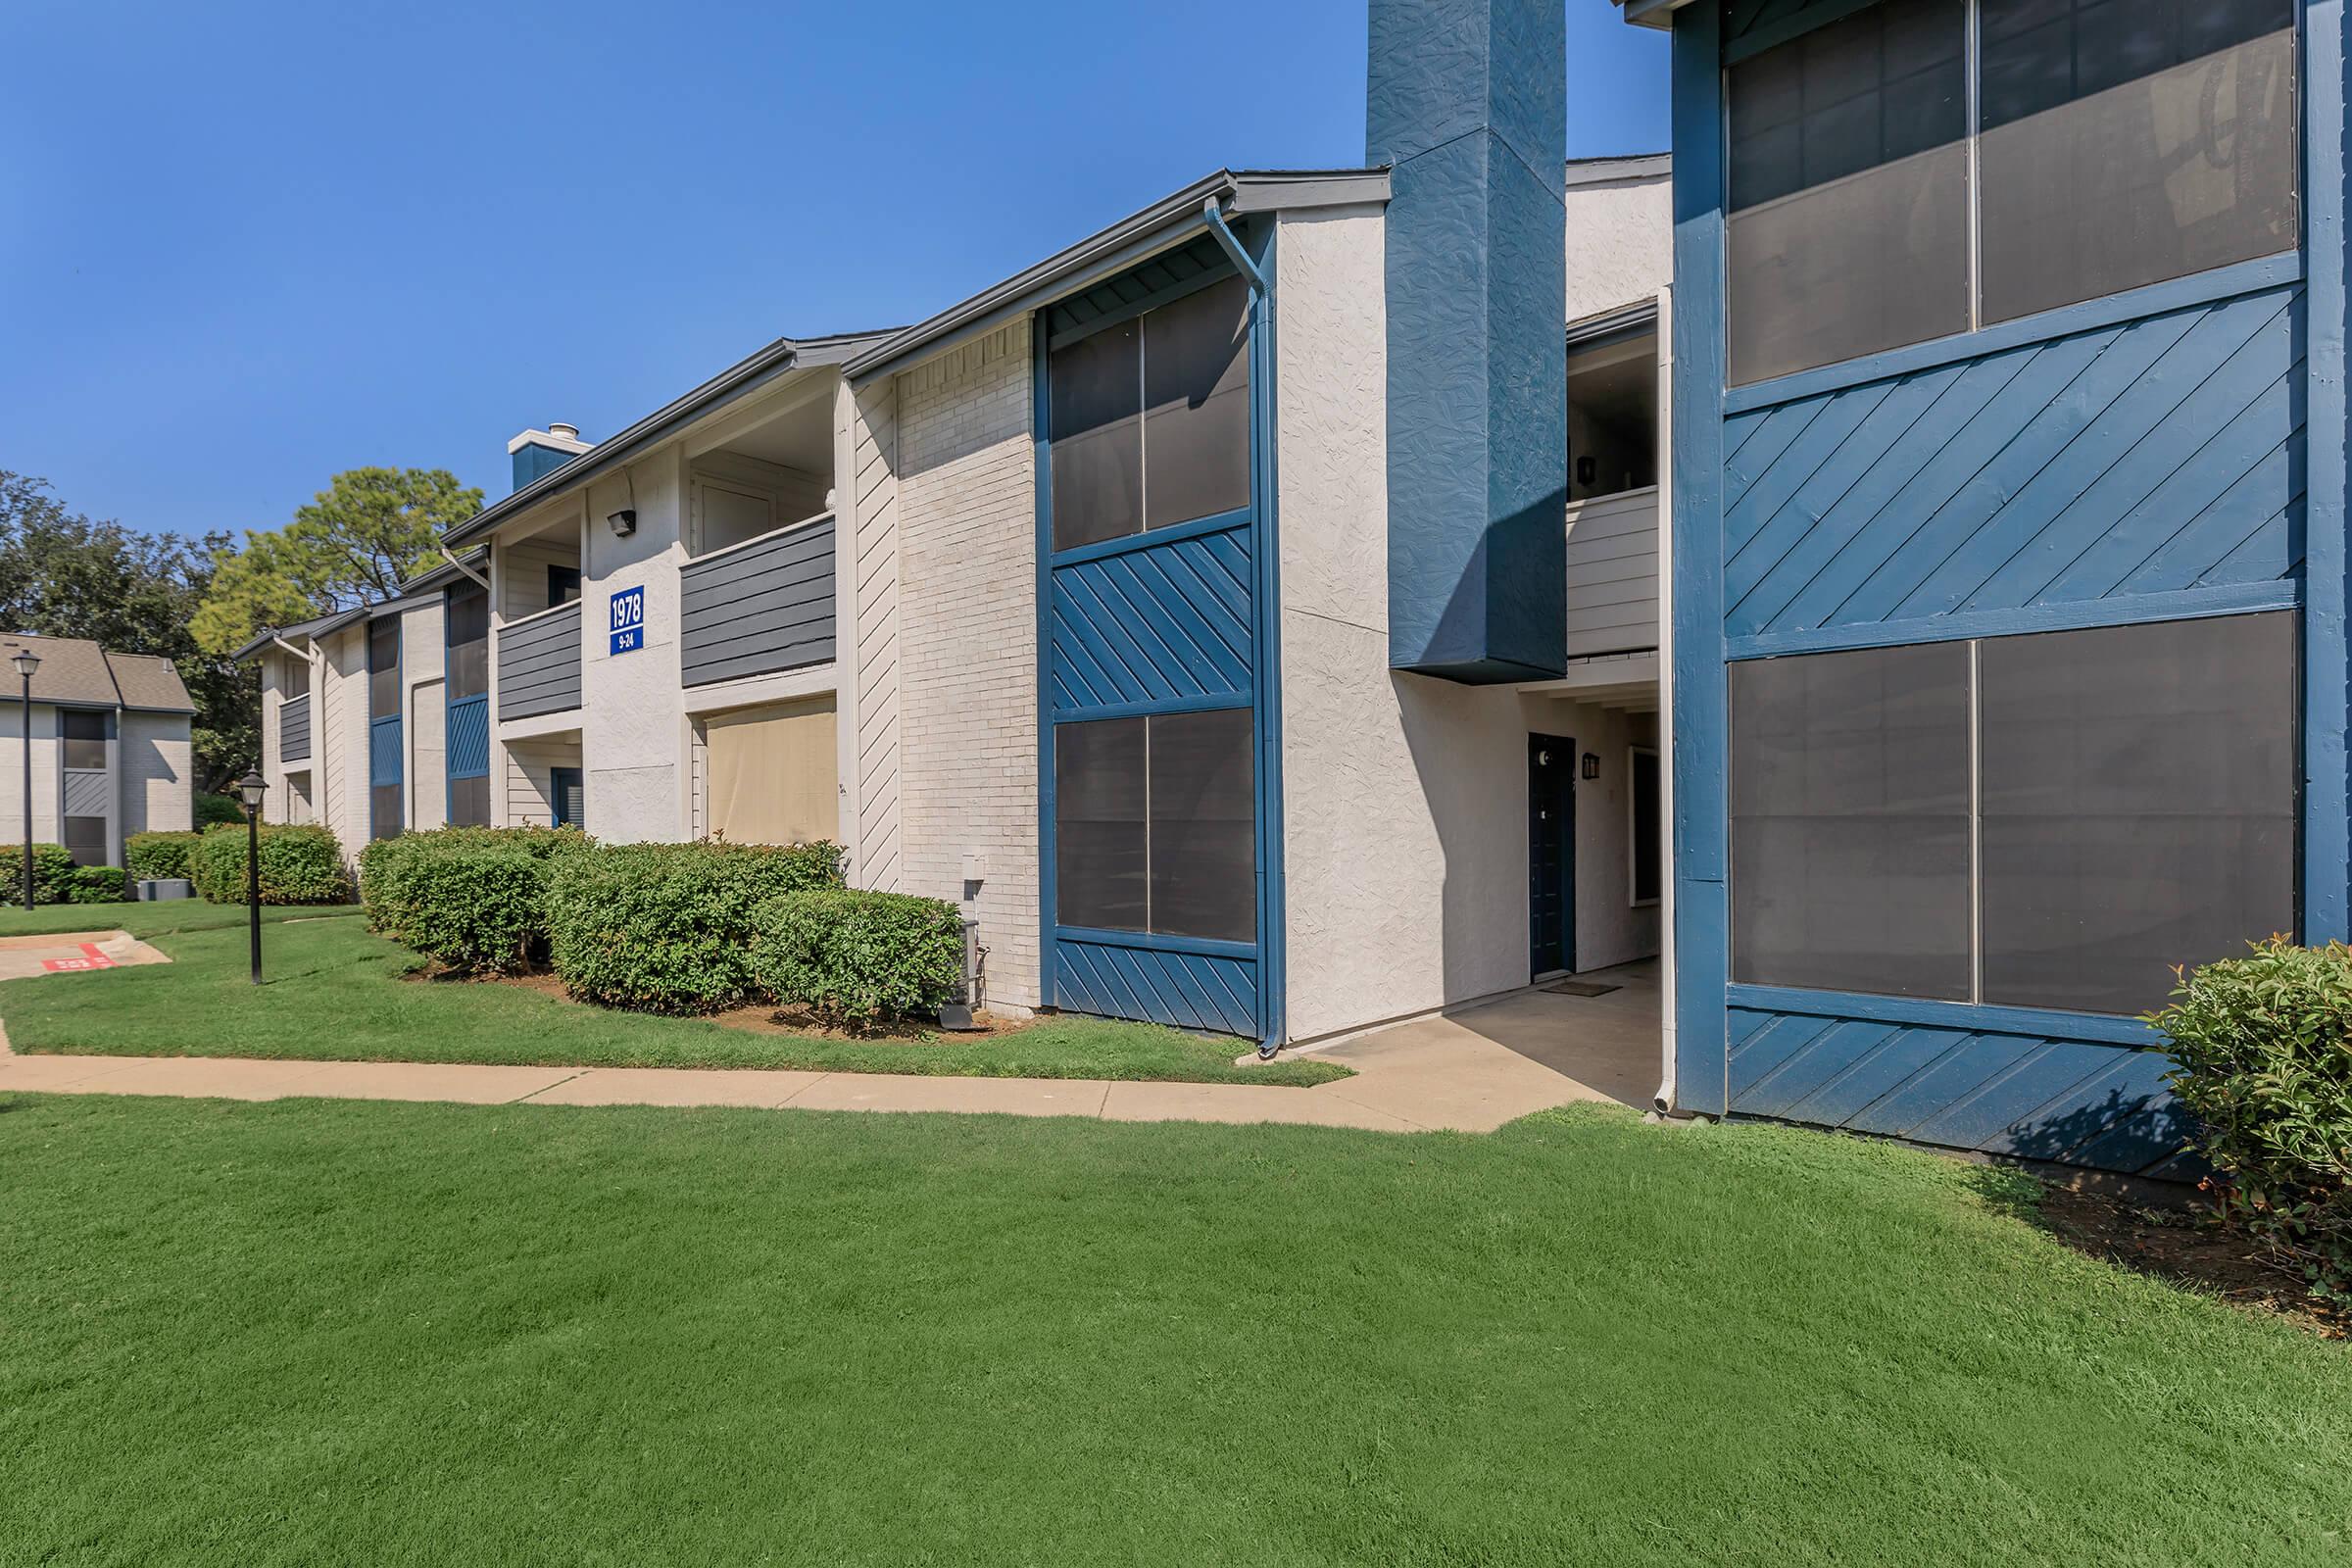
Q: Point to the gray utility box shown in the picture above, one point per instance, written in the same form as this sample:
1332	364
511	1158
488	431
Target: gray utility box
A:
166	887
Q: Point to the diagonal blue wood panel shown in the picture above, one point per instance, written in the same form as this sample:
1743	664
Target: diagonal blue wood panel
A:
1190	990
469	737
2071	1102
384	750
2143	459
1157	623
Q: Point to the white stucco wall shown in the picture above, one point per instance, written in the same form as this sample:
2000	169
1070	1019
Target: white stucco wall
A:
966	646
1620	234
1404	827
632	749
158	759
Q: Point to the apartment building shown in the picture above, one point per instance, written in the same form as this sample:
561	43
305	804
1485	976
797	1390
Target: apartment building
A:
104	741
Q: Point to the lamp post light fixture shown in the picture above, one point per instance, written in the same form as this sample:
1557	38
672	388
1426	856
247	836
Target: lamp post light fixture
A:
250	790
26	661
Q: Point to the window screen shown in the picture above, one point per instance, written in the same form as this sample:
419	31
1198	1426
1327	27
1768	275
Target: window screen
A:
85	738
383	667
1649	861
86	840
1847	221
383	812
2129	142
1096	389
1099	876
1850	802
469	624
1613	417
1197	405
1150	418
2138	805
1203	814
562	585
1156	824
469	801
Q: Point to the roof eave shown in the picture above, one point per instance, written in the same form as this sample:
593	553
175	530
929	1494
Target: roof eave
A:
1652	13
745	376
1117	247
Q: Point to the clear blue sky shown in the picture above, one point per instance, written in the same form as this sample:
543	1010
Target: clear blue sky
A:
251	243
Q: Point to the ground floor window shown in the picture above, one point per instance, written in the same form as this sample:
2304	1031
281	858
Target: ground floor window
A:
1156	824
567	796
1647	874
772	777
2050	820
87	839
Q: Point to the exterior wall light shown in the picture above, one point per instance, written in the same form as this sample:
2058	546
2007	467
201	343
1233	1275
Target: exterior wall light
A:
622	522
1592	765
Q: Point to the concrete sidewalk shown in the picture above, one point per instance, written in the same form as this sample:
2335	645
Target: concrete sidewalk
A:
1461	1073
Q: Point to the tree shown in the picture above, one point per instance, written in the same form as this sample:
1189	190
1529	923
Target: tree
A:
355	543
64	575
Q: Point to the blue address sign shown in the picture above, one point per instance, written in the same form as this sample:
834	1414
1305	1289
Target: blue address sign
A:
628	620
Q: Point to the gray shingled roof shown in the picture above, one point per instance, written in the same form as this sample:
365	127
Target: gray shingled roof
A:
77	672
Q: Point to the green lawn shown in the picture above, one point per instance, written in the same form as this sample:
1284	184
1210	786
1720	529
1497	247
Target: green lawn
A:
163	918
335	991
328	1332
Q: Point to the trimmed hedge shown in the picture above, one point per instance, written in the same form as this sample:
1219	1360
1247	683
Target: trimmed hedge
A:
667	927
53	871
301	863
857	958
157	856
474	898
98	884
2264	1047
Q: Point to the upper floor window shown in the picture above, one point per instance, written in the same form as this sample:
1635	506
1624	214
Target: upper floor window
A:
467	630
1150	418
383	666
2111	144
1613	416
85	735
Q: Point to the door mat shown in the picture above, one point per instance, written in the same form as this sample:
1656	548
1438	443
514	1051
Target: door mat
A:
1580	988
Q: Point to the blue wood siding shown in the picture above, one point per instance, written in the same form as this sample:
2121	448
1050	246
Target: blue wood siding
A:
294	729
383	751
1152	626
539	665
2149	457
759	608
469	737
2175	450
2025	1095
1112	979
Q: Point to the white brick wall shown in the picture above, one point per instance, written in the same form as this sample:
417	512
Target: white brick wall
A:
966	640
159	765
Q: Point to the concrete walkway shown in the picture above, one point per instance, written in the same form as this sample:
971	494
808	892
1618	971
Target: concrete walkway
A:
1460	1073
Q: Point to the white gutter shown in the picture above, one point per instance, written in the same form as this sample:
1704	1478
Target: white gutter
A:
311	655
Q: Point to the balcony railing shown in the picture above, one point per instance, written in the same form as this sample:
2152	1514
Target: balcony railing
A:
759	607
294	729
539	663
1613	573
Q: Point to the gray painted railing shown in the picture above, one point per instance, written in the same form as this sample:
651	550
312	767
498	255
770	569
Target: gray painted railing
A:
539	663
294	729
758	606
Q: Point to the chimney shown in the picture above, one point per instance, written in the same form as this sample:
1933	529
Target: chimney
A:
539	453
1467	102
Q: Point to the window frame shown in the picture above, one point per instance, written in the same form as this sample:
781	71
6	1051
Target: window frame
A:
1633	834
1978	325
2289	680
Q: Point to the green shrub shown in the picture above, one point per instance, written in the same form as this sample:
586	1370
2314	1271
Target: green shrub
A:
214	810
97	884
2264	1047
856	958
52	873
157	856
666	927
474	898
299	864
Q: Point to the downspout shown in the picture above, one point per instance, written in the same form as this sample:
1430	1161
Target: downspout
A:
1664	1100
1261	288
310	655
469	570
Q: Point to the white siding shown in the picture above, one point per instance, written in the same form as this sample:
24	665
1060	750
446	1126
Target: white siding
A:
1613	573
872	761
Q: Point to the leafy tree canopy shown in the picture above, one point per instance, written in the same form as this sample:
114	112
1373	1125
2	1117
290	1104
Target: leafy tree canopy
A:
64	575
352	545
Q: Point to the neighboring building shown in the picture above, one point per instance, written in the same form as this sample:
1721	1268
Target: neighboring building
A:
111	754
1269	614
2009	476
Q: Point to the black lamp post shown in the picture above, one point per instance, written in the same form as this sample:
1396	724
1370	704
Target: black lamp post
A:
26	661
250	790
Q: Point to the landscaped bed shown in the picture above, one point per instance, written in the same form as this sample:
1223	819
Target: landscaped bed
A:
337	993
307	1332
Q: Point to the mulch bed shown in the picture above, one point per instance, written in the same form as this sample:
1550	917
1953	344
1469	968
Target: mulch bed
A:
757	1019
2185	1245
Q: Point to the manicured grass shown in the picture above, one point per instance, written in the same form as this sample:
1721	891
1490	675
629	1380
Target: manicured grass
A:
334	991
162	919
309	1332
